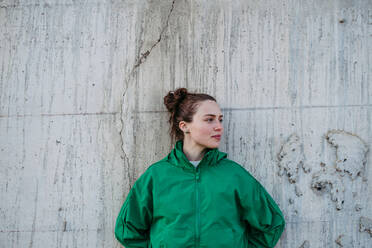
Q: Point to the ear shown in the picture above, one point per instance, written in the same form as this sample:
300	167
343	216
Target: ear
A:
184	127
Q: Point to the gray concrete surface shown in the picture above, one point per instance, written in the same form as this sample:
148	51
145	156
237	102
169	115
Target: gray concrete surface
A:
81	112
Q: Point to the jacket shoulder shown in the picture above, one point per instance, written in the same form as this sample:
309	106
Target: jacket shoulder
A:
154	167
147	175
239	170
234	165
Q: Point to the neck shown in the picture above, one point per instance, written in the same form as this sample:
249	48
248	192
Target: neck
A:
193	151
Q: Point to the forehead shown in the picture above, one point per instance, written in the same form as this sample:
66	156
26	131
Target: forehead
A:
208	107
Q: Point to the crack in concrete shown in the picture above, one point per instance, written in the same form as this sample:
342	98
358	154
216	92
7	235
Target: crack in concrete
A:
140	61
147	53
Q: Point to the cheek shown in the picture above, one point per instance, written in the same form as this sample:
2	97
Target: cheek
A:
205	130
202	130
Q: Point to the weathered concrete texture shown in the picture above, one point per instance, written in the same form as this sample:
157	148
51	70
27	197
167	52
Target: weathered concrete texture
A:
351	152
306	244
291	158
82	115
365	225
344	241
60	183
351	155
328	180
358	207
298	191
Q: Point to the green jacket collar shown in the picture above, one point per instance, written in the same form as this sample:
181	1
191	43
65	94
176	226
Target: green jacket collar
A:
178	158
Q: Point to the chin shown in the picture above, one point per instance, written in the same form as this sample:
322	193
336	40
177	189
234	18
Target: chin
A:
210	144
214	145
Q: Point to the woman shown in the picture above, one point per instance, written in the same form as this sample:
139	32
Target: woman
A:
196	196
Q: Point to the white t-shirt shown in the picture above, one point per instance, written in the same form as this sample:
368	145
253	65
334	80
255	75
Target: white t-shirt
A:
195	163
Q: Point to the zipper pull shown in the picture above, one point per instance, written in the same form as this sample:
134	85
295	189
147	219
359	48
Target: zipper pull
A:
197	175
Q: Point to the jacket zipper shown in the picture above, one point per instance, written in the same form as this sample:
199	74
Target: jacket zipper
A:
197	200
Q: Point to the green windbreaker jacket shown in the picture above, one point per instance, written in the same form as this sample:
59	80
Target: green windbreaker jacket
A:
218	204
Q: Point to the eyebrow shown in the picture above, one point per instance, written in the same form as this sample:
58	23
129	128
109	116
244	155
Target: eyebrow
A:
212	115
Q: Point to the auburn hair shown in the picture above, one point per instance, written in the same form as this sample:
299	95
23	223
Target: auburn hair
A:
182	106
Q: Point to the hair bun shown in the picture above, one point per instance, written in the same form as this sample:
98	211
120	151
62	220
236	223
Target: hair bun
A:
174	98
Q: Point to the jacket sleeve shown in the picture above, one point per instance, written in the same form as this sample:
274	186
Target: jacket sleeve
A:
134	221
262	216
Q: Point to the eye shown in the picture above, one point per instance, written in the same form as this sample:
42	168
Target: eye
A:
221	120
210	119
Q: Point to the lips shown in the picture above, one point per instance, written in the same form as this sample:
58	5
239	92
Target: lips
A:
217	137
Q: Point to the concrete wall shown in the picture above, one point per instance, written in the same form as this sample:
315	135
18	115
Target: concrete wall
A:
81	113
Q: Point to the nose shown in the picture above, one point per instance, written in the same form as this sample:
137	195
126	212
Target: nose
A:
219	127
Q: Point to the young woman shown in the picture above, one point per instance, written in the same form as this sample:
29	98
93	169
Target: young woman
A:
196	196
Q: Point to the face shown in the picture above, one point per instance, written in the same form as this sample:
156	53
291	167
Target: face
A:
206	128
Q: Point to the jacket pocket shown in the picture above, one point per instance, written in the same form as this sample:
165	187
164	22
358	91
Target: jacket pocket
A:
176	238
218	237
